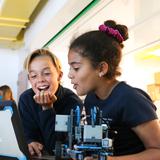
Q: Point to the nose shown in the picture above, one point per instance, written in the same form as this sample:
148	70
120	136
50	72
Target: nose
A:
40	78
70	75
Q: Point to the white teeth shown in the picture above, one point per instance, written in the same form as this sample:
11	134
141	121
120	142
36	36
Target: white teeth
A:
43	87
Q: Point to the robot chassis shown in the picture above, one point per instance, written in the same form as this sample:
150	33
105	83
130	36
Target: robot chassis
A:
83	140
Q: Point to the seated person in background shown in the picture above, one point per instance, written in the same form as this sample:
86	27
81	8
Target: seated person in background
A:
6	93
39	104
94	59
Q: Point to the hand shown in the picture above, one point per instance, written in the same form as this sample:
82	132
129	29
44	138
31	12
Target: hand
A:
45	99
35	148
88	158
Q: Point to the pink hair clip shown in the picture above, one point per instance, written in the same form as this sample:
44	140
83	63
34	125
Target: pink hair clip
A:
114	32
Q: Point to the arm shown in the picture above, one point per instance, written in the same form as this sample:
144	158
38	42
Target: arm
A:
31	130
47	125
149	133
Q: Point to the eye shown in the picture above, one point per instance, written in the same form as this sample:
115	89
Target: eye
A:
76	68
47	73
33	76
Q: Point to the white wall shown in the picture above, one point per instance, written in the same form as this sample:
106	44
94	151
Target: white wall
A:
9	69
37	34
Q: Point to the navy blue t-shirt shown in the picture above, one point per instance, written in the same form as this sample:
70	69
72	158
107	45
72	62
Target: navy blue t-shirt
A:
39	125
127	107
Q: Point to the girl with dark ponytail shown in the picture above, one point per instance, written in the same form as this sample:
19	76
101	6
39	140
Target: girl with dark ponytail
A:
94	59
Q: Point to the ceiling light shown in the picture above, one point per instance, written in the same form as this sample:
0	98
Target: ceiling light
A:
12	25
156	52
149	53
8	38
14	19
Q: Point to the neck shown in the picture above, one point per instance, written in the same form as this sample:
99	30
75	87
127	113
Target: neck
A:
106	88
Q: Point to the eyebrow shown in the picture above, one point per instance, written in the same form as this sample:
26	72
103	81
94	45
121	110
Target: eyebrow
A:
42	70
72	63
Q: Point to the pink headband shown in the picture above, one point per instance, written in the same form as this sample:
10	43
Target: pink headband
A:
114	32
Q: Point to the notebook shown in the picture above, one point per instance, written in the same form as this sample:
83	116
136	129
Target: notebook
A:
12	142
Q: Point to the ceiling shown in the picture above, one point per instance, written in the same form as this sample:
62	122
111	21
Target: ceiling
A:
15	17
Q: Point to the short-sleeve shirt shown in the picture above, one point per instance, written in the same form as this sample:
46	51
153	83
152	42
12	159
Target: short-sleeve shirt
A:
127	107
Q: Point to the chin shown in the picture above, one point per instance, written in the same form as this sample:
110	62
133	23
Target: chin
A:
81	93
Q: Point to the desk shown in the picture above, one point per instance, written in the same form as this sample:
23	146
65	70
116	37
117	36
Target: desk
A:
43	158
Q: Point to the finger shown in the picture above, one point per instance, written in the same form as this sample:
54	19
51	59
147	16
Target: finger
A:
34	97
46	98
37	97
40	146
36	91
41	97
31	150
37	150
52	97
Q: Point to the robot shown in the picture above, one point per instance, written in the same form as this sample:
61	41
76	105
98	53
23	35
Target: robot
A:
83	139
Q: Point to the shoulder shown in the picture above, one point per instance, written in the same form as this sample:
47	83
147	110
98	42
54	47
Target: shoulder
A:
133	96
67	100
124	90
137	107
134	93
66	95
65	92
27	94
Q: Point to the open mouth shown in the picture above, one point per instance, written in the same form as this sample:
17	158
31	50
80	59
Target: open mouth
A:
75	86
43	88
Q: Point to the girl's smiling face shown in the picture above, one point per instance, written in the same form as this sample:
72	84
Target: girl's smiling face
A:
43	75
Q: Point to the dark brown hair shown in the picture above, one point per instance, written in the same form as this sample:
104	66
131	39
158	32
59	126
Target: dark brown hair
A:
99	46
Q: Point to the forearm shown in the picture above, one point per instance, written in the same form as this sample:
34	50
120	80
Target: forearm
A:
30	128
149	154
47	123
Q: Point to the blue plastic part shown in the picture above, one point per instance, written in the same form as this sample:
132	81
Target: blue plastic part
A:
8	108
78	115
65	146
88	147
22	158
1	98
93	115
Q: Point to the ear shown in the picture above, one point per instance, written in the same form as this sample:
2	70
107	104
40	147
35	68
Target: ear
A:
60	76
103	68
